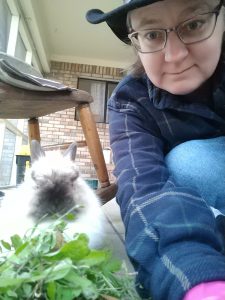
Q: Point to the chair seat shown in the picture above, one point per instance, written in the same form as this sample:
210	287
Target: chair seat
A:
17	103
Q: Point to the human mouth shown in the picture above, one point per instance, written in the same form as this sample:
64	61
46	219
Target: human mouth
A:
180	72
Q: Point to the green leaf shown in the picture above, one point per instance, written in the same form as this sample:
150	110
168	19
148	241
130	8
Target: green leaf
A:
12	294
90	292
95	257
10	281
16	241
87	287
53	256
112	266
70	217
76	249
64	293
6	245
21	248
46	242
27	289
55	272
51	290
60	226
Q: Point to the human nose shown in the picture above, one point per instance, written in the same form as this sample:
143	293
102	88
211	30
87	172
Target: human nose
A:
175	49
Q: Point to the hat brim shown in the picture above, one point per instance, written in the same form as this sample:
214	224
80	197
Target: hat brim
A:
116	19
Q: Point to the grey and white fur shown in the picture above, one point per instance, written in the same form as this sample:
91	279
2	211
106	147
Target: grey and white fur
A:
52	186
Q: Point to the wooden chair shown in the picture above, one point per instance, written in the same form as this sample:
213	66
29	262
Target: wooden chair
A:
20	103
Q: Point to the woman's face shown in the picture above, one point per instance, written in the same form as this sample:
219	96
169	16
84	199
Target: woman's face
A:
178	68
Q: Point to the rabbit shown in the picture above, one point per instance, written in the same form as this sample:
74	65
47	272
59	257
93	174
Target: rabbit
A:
52	185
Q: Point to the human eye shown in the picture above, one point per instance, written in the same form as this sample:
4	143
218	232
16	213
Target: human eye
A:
153	35
195	24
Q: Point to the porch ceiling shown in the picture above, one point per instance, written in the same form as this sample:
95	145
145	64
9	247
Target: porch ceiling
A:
67	36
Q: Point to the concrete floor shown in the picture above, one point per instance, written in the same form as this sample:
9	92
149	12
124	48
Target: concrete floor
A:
115	232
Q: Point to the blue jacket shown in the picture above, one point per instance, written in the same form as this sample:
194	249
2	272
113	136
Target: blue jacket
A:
171	234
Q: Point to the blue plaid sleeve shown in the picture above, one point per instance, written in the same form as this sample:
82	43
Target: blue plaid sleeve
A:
171	235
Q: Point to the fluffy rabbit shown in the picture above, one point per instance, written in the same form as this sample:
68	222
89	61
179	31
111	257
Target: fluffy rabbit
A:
52	186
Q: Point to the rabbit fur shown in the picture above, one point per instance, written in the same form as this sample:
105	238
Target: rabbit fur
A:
52	186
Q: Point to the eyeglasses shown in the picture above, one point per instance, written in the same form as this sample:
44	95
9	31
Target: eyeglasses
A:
193	30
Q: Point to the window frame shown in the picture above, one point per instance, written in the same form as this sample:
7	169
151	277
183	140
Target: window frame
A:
19	26
107	82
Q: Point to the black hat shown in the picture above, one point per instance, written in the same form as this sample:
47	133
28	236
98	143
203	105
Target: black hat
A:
116	19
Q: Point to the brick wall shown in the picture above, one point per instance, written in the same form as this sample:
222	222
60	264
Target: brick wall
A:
61	127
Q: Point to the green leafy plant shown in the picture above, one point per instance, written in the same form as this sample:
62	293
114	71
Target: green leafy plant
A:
44	265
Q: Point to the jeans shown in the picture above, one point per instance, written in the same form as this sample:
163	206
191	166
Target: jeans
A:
200	164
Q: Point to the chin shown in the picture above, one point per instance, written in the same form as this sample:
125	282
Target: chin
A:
181	88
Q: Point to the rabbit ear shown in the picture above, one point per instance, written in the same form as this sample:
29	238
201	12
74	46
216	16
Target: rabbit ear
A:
36	150
71	151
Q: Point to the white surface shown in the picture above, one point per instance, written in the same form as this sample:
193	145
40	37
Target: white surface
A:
60	29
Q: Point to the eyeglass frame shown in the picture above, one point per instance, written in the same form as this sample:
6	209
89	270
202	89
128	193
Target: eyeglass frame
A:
216	11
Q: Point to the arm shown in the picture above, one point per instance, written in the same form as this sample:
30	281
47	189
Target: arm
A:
170	231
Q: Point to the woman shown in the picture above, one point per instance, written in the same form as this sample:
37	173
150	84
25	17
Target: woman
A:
167	121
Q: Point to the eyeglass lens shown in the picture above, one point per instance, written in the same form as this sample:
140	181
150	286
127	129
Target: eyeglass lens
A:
191	31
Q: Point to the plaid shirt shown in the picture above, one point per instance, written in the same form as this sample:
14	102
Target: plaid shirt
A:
170	231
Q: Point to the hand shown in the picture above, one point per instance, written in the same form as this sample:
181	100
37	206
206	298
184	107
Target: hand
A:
207	291
213	298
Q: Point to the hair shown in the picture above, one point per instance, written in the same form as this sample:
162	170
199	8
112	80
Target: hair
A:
136	69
